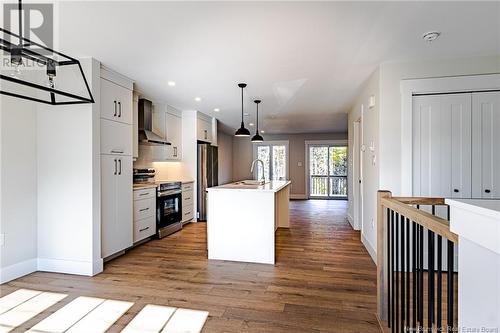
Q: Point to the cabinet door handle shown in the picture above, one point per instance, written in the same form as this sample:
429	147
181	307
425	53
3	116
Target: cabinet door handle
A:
144	209
120	163
188	198
116	151
206	137
175	151
187	213
143	194
114	106
456	190
119	109
116	167
143	229
487	191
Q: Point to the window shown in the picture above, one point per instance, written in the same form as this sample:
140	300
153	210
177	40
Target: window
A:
327	171
274	154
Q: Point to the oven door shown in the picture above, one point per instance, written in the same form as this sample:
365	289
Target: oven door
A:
168	210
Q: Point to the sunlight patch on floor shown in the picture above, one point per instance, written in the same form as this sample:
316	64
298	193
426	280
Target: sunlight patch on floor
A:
90	314
27	310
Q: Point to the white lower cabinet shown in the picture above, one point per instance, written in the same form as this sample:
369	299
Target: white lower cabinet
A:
187	202
144	213
116	204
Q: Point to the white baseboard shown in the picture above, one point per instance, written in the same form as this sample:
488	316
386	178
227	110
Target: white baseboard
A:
369	247
18	270
351	220
87	268
298	196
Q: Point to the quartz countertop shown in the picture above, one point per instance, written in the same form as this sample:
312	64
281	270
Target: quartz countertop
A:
272	186
140	186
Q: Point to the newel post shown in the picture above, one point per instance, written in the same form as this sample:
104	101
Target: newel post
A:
381	256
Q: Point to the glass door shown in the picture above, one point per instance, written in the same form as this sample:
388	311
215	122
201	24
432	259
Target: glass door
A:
327	171
275	158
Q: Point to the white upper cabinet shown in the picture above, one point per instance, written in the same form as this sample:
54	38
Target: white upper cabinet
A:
204	128
174	136
116	102
486	145
116	138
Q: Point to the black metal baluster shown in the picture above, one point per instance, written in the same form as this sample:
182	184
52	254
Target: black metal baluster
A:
402	272
439	282
407	272
396	266
421	275
414	278
389	267
392	271
430	279
450	287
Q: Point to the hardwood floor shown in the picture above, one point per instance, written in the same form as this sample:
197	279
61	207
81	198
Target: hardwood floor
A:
323	281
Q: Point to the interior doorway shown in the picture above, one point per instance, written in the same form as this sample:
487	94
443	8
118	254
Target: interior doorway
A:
327	170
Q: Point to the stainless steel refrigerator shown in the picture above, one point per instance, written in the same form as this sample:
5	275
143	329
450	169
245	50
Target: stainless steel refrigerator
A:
207	176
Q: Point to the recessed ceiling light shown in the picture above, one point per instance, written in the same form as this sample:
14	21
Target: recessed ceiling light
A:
216	109
251	124
198	99
431	36
171	83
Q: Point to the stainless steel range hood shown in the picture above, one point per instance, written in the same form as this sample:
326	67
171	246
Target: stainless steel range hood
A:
146	134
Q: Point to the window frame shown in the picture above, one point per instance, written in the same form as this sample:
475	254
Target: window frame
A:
270	144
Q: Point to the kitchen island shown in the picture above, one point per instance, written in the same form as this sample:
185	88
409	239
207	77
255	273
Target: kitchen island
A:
242	220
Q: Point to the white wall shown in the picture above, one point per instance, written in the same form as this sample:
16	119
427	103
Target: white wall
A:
382	124
225	153
18	192
370	176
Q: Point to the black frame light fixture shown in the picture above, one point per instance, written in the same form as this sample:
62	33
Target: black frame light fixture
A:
257	137
242	131
52	62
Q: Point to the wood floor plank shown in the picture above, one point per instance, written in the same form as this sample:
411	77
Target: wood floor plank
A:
323	281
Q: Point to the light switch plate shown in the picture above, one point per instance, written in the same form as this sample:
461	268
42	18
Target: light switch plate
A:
299	164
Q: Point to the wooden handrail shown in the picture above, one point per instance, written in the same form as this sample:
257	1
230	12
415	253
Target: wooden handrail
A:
403	206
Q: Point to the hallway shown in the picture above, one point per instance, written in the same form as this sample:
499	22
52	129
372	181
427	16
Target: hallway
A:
324	279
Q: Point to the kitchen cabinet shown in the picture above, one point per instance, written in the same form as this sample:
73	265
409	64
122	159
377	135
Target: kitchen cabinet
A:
144	213
116	204
116	138
187	202
135	126
174	136
204	128
116	128
486	145
116	102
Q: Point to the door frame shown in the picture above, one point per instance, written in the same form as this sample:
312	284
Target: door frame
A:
285	143
441	85
357	177
307	144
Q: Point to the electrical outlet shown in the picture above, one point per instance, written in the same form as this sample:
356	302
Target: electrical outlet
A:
2	240
299	164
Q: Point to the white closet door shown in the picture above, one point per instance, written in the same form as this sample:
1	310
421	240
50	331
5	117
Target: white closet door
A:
486	145
442	145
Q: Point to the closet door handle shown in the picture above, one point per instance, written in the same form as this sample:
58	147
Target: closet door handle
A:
487	191
119	109
120	164
456	190
116	167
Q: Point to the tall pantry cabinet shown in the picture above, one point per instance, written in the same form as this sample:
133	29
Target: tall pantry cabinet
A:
116	162
456	139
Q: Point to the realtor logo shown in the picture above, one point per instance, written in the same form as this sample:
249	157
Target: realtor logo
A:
38	24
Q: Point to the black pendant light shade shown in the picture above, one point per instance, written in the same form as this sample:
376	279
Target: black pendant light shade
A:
257	137
242	131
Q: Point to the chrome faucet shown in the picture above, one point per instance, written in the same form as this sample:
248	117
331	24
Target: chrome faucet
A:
263	178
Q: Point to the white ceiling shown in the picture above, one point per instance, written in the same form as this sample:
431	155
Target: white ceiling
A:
305	60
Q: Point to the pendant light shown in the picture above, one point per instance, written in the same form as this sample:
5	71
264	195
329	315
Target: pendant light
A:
242	131
257	137
43	88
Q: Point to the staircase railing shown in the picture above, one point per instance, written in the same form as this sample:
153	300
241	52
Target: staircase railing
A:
416	284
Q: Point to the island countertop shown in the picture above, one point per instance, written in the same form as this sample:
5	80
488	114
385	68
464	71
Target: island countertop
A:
271	186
